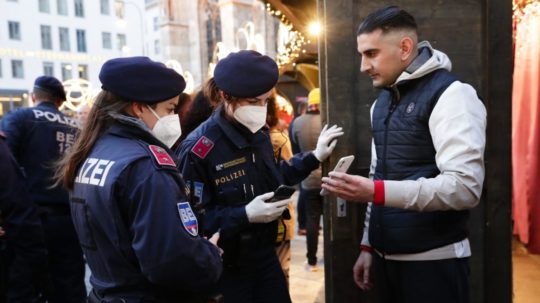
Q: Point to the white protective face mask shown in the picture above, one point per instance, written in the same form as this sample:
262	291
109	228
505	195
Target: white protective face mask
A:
251	116
167	129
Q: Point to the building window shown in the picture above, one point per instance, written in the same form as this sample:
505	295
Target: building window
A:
64	38
121	41
81	41
61	7
44	6
119	9
105	7
66	71
14	30
83	71
106	40
156	46
46	39
48	69
79	8
0	68
156	23
17	70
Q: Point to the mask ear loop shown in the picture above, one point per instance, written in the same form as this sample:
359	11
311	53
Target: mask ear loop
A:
153	112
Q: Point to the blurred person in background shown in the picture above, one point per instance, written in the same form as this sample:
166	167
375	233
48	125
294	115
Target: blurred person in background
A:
305	131
38	136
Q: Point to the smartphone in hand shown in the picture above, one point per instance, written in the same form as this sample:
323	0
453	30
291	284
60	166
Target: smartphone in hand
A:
281	193
342	166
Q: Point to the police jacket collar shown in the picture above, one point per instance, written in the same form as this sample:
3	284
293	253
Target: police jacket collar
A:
131	127
237	133
47	104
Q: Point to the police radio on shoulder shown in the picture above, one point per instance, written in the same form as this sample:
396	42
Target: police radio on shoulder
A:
341	167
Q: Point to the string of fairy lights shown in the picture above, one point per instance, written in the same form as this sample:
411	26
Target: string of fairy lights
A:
292	49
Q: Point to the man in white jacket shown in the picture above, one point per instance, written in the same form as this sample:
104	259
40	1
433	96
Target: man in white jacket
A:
427	167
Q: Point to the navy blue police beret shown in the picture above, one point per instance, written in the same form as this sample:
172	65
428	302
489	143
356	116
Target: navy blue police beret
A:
51	85
141	79
246	74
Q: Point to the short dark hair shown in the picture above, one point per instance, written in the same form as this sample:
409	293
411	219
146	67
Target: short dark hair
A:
45	95
387	18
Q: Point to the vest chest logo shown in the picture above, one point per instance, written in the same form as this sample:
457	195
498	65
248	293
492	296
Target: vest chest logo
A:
230	177
232	163
202	147
94	172
188	218
410	108
161	156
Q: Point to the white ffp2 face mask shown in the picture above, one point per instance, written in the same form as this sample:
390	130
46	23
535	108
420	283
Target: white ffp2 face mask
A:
167	129
251	116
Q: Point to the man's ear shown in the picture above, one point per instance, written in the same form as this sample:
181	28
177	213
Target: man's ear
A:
407	47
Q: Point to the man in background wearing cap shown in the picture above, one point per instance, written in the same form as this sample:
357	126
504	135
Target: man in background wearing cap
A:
229	164
37	137
305	132
130	208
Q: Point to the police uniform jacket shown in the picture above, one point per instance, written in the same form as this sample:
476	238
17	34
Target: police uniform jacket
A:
23	255
226	166
138	232
38	136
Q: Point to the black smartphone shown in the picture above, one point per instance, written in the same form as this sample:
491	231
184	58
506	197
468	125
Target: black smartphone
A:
281	193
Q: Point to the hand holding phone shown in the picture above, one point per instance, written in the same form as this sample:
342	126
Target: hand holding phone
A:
342	166
281	193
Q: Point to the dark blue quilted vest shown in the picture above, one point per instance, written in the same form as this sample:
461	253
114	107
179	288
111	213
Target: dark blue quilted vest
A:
405	151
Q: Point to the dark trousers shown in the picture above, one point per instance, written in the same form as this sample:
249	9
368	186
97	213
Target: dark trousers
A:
441	281
314	210
301	209
260	282
66	261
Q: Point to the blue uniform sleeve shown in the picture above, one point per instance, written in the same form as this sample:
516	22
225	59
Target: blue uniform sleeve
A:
298	167
168	254
13	126
229	220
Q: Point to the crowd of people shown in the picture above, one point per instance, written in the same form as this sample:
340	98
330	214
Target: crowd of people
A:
169	198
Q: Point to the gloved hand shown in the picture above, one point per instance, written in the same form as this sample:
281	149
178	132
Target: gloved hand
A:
259	211
325	145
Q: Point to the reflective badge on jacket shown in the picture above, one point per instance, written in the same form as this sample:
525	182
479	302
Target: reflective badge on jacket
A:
161	156
202	147
188	218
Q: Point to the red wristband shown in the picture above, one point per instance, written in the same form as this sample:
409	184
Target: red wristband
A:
366	248
378	196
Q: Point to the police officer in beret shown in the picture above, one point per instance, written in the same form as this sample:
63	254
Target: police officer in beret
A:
134	221
23	256
228	163
37	137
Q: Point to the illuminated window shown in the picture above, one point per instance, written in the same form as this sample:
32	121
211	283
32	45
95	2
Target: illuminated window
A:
66	71
83	71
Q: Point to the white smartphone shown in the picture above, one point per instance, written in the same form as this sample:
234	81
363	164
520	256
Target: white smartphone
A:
342	166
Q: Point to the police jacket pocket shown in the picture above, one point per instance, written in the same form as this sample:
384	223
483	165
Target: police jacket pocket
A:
81	217
231	195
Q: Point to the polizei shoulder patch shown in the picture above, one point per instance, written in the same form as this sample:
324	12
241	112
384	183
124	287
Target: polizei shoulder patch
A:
202	147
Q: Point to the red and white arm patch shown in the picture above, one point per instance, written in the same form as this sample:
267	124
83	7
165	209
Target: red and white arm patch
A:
162	157
202	147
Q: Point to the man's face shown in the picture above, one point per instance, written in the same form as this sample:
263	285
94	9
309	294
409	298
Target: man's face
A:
380	56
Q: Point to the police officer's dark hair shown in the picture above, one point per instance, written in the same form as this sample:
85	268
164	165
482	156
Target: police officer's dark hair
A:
44	95
99	120
387	19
